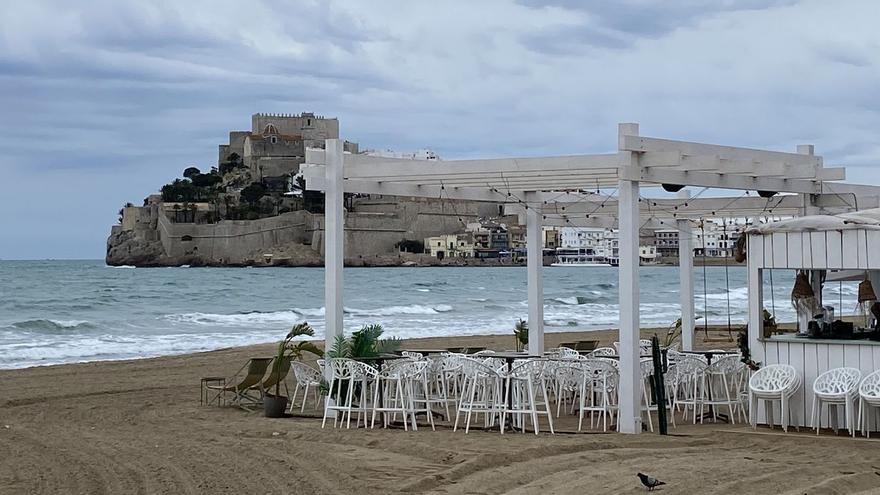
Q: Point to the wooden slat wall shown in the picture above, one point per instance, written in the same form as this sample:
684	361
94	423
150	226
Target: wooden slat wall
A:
848	249
811	360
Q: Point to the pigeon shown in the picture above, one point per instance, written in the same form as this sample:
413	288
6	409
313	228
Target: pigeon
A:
650	482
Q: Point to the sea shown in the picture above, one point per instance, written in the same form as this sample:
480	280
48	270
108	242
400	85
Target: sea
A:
55	312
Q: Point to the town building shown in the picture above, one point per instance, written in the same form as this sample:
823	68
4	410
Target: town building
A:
666	242
451	246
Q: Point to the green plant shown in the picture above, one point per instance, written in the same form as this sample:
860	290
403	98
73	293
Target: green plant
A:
293	350
362	343
521	332
742	341
673	332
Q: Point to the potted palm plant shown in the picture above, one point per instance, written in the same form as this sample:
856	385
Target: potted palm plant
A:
288	350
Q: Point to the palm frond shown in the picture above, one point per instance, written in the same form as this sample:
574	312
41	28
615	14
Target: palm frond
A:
389	345
340	349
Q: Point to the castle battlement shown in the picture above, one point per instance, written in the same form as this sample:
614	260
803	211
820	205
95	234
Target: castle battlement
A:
292	115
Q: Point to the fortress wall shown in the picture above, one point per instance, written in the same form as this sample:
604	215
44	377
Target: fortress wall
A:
133	216
428	217
366	234
232	240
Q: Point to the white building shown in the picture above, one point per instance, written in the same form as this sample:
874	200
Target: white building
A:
581	237
420	154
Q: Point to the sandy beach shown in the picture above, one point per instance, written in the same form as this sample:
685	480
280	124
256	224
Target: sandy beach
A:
137	427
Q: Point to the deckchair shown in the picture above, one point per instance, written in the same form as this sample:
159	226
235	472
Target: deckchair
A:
273	378
249	378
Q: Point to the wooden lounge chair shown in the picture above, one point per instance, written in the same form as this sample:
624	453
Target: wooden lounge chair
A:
586	345
245	381
274	378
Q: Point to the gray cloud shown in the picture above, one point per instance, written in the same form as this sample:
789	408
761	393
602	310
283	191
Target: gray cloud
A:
104	104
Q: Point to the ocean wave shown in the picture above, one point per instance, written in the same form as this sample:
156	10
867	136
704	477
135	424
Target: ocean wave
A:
413	309
294	315
237	319
572	301
47	325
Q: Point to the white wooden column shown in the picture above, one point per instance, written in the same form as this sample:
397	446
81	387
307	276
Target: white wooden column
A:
686	280
535	262
334	236
629	419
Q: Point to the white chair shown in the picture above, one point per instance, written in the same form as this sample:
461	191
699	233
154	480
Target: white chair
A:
869	397
723	380
566	353
775	382
525	391
412	355
689	385
598	392
603	351
836	387
482	393
306	377
342	385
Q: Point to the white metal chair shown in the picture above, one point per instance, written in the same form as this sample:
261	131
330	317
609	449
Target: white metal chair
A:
412	355
525	391
869	398
603	351
342	378
689	385
306	377
598	392
482	392
723	380
775	382
836	387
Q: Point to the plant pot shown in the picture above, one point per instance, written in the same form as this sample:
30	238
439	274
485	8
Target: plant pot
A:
274	405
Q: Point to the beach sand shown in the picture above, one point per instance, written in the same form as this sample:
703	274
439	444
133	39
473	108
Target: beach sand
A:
137	427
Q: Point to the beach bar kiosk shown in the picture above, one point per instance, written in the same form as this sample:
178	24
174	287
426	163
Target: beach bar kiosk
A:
823	250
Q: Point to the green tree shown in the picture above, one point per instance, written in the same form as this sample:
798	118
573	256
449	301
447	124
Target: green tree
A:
206	180
252	193
190	172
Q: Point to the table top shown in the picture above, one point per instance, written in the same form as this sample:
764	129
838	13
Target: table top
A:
427	351
213	378
379	357
706	353
510	355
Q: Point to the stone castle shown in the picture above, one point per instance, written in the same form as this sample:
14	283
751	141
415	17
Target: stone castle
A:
166	233
276	144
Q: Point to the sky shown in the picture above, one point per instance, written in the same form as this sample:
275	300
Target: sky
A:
102	102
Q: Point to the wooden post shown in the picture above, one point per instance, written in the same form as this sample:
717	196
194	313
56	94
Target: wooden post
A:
629	417
334	239
535	261
686	279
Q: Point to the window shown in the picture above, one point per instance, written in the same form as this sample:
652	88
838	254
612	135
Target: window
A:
273	139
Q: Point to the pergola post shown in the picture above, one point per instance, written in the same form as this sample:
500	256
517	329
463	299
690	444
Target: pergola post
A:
629	418
535	262
334	237
686	276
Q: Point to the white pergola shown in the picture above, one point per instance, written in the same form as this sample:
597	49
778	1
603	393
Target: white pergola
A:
540	190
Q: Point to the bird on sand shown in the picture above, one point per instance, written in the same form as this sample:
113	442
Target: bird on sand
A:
650	482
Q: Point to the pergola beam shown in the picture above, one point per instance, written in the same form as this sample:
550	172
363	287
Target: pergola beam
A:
641	144
318	183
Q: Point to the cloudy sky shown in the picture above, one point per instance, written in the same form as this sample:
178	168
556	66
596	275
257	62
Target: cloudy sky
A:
104	101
